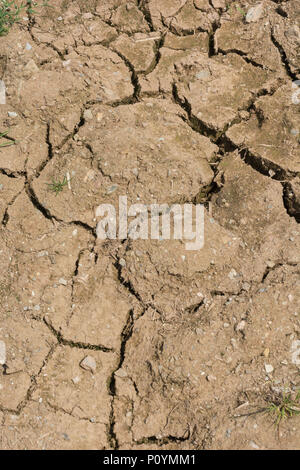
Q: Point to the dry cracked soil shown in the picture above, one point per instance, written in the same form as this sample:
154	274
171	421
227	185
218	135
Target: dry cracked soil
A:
141	344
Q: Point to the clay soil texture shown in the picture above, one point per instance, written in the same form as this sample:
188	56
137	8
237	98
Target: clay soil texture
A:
141	344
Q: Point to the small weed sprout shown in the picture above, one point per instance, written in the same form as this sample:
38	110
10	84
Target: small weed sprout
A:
280	406
10	12
57	186
284	407
8	142
238	8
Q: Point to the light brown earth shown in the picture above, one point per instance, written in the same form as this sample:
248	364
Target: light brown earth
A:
164	101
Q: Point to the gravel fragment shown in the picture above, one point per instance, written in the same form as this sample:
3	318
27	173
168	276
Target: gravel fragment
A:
211	378
88	114
2	92
269	368
254	13
232	274
89	363
121	373
253	445
241	325
2	353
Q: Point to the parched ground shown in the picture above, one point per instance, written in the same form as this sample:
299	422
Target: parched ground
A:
163	101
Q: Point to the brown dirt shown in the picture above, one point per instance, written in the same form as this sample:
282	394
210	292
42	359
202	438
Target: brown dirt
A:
163	101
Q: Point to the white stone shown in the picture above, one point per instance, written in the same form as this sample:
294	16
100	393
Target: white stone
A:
253	445
88	114
121	373
269	368
295	350
2	92
241	325
66	62
89	363
211	378
2	353
232	274
254	13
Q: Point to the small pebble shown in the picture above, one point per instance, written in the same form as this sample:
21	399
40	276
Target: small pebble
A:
121	373
88	114
203	74
89	363
266	352
2	92
232	274
211	378
254	13
112	189
246	286
241	325
2	353
270	264
269	368
65	63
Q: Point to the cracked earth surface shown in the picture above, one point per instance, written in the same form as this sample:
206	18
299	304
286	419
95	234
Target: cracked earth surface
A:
165	102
